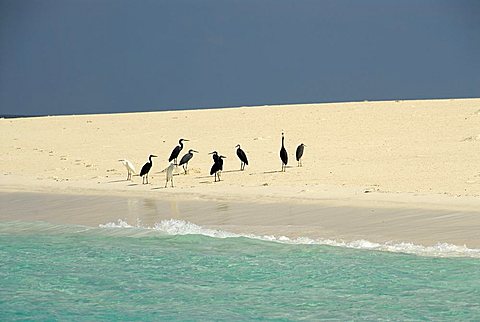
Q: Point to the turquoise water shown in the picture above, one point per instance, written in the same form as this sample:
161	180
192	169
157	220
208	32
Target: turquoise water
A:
50	272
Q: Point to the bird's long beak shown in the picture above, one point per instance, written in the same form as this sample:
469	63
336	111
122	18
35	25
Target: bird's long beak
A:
121	160
185	140
195	151
154	156
212	152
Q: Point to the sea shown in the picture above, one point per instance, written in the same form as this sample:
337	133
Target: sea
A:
176	270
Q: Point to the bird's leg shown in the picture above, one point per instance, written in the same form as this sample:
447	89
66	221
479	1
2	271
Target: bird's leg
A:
166	181
172	181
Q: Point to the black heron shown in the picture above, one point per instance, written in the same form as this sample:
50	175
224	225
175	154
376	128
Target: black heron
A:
217	166
187	157
146	168
242	156
176	151
214	156
283	154
299	154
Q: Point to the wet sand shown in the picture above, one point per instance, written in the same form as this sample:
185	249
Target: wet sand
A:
380	225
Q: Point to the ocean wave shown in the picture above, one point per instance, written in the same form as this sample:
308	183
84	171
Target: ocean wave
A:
181	227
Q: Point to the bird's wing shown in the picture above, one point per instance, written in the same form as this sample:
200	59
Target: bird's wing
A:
132	167
185	159
243	156
174	153
144	169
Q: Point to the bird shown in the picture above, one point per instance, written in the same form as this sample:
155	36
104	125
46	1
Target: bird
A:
187	157
216	158
146	168
299	154
242	156
214	155
130	168
176	151
169	173
217	166
283	154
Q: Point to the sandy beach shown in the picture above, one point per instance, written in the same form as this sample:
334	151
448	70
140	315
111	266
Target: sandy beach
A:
415	165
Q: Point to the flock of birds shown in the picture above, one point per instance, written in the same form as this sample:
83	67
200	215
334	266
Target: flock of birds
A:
216	168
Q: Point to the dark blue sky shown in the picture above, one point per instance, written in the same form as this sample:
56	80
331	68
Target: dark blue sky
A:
97	56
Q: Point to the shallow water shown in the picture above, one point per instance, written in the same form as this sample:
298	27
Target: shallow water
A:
117	272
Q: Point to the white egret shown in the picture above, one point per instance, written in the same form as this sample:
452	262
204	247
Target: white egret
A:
130	168
169	173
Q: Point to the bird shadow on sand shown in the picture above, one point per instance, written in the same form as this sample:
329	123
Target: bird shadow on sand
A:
274	171
204	177
133	184
227	171
116	181
160	188
278	171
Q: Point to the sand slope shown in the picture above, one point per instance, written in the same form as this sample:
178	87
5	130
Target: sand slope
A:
429	146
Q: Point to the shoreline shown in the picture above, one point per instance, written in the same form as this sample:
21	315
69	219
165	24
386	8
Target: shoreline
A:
342	220
309	194
414	164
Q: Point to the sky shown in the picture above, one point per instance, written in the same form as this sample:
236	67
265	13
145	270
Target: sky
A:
103	56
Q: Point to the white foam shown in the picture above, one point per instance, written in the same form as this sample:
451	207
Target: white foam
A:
181	227
119	224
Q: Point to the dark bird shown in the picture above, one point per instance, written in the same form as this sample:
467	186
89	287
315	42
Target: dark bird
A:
214	156
184	160
283	155
176	151
217	166
146	168
299	154
242	156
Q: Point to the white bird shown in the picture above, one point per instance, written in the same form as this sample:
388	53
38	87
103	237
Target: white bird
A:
130	168
169	173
